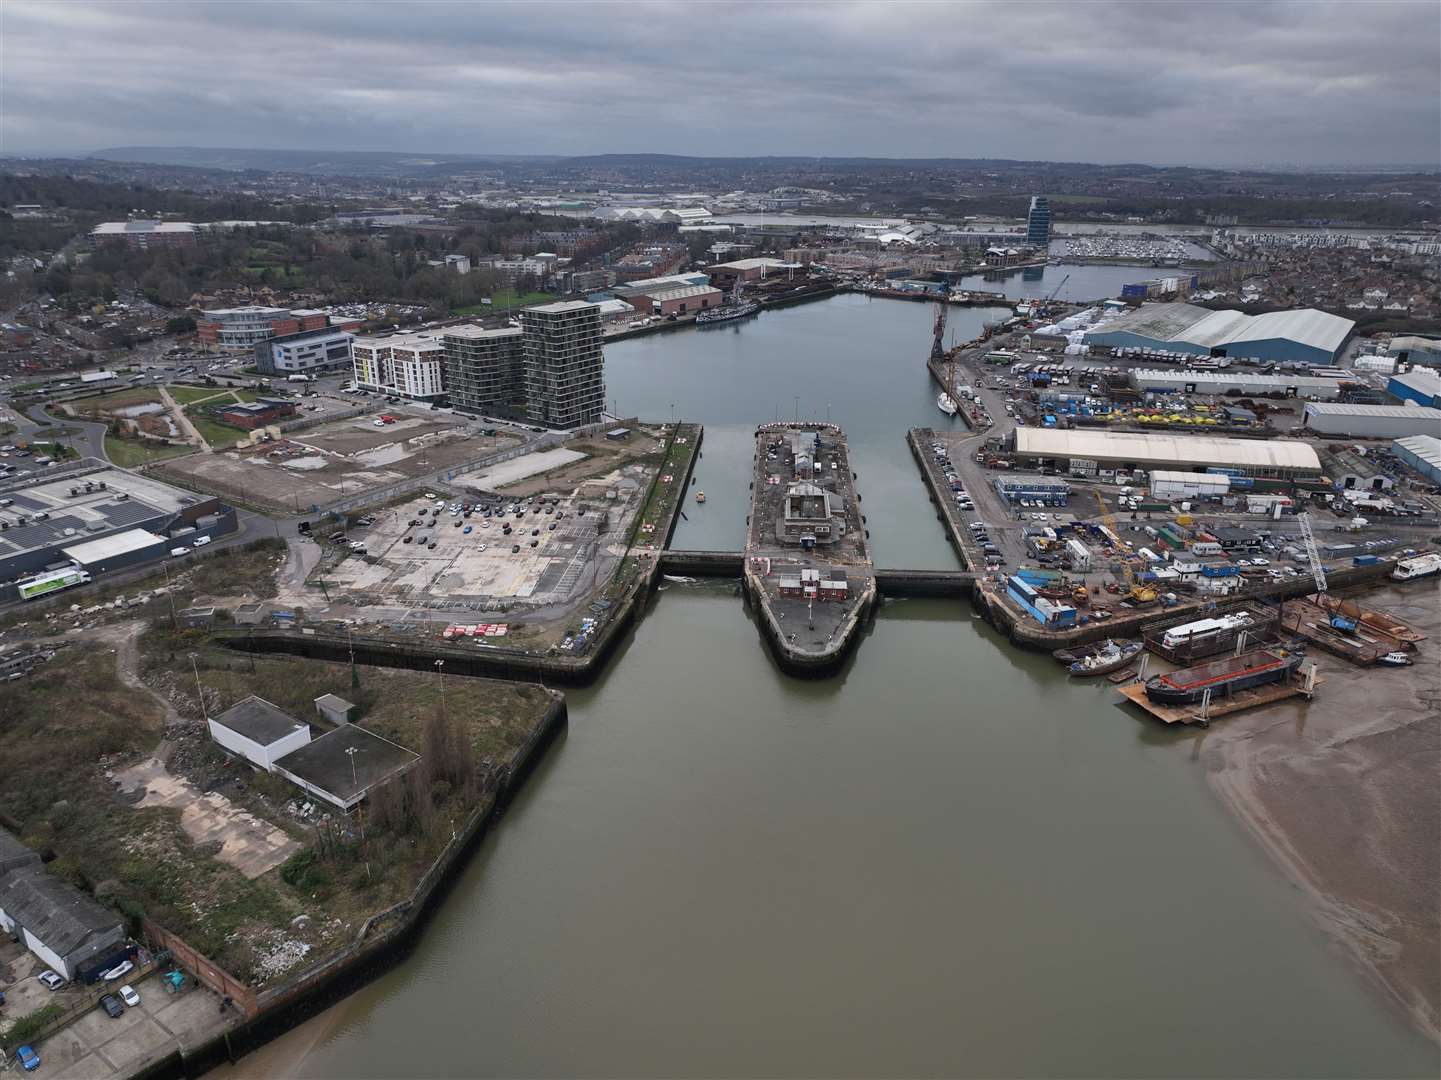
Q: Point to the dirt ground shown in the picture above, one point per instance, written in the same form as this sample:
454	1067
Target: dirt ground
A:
348	457
602	456
1344	793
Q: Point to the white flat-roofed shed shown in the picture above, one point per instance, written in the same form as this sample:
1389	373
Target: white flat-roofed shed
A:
1304	336
1315	387
258	731
1260	457
116	551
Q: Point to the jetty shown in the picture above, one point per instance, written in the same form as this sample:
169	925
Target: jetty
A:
807	564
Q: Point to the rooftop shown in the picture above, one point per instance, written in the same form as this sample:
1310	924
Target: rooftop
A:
475	332
326	763
107	547
55	912
1342	408
682	292
122	228
1191	325
1425	447
258	720
563	307
1169	449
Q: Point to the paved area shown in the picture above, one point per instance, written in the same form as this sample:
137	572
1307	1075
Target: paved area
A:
509	472
97	1045
247	843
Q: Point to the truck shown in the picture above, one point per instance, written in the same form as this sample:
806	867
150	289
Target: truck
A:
51	582
299	378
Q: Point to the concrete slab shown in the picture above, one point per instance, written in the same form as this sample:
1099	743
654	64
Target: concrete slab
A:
509	472
247	843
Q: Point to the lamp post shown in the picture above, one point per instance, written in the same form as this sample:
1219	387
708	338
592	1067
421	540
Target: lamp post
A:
440	672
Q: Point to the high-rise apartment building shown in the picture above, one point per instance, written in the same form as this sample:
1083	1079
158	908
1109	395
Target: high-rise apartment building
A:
483	368
564	368
1038	222
409	365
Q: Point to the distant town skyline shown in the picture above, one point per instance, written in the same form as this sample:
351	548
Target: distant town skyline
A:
1280	85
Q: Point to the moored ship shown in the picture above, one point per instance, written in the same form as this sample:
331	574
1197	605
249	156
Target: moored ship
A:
1419	567
1223	677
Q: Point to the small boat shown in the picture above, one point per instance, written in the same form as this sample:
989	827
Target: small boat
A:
1395	659
1111	657
700	496
946	404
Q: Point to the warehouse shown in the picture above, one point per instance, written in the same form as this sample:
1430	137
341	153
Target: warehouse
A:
1371	421
93	502
1181	453
1422	453
62	926
1306	336
1421	385
117	551
1252	384
1166	484
1413	349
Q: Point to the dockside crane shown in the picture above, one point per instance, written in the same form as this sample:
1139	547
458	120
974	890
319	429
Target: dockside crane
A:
1048	301
1336	614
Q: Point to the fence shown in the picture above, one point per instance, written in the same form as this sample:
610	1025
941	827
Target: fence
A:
204	969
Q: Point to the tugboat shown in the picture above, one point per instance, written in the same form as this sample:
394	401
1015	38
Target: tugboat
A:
1111	657
1395	659
1222	678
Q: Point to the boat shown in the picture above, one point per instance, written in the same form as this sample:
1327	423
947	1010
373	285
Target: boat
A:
946	404
727	312
700	496
1204	630
1225	677
1395	659
1111	657
1419	567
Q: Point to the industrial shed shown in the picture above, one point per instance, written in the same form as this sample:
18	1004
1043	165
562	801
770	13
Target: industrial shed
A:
1421	385
258	731
56	921
1304	336
1422	453
1314	387
1255	457
343	766
1371	421
129	548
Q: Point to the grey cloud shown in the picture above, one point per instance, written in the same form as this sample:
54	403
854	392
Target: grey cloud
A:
1225	83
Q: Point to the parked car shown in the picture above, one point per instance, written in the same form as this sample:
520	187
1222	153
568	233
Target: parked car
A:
28	1058
50	980
129	995
111	1004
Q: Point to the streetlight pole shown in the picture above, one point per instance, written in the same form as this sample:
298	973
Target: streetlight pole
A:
199	690
440	672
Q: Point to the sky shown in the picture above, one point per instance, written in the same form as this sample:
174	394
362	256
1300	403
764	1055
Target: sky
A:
1200	83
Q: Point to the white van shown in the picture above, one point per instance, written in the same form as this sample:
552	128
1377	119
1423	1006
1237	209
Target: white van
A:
179	551
201	541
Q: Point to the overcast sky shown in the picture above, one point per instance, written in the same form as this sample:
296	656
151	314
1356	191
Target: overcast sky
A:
1253	83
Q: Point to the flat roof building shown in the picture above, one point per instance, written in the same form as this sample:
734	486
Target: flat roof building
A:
1303	336
1371	421
239	329
1258	457
345	765
258	731
129	548
483	367
325	349
143	234
1312	386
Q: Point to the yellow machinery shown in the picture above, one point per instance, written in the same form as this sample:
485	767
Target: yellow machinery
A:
1139	594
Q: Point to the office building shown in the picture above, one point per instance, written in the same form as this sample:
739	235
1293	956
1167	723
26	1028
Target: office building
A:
1038	222
564	367
483	368
239	329
327	349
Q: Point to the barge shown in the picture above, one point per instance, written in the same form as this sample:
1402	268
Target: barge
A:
1223	678
808	565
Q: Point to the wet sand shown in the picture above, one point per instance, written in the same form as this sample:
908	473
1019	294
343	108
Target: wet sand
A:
1345	793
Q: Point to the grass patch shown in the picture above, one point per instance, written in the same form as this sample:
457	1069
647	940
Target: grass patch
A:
121	399
506	298
132	453
218	435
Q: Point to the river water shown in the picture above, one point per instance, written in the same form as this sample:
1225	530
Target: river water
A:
947	860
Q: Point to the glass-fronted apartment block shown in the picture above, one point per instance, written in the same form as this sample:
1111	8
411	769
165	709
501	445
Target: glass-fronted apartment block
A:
483	368
564	367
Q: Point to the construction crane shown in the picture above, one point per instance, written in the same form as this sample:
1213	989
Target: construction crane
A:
1313	554
1140	594
1046	303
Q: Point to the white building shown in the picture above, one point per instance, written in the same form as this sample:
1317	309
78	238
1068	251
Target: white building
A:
410	365
312	350
258	731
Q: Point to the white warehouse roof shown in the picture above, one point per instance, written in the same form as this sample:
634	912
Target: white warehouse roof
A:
1167	449
107	547
1338	408
1198	326
1425	447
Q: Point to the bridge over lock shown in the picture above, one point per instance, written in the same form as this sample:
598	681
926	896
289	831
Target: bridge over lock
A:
730	564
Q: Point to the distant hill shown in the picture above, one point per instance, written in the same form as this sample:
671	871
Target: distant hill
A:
317	162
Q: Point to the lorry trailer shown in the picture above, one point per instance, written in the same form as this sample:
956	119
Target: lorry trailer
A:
51	582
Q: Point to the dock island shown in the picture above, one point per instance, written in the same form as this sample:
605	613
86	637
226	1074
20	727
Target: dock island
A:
808	564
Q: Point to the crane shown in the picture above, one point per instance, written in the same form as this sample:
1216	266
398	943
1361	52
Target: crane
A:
1046	303
1140	594
1337	615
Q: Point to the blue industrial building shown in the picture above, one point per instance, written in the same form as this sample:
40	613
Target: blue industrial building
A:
1306	336
1046	489
1422	453
1421	385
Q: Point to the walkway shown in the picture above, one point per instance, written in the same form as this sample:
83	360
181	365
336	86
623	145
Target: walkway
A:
177	412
